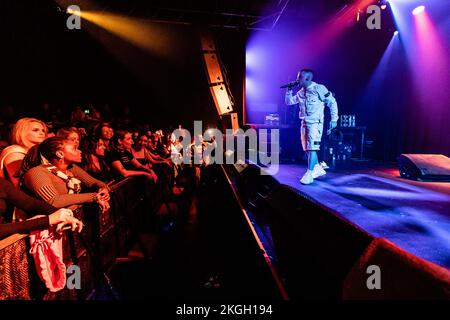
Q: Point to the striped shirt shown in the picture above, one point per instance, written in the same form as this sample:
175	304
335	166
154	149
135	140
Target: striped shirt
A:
52	189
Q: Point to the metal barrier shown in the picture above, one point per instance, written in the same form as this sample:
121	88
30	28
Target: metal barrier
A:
105	237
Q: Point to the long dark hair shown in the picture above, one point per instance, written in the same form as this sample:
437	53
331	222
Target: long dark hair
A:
141	134
88	149
98	129
46	149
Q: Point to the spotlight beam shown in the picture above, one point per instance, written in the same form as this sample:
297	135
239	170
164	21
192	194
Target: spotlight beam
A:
418	10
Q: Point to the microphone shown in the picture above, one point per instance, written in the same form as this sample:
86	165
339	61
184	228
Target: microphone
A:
290	84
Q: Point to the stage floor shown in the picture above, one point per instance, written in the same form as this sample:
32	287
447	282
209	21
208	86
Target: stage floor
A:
414	215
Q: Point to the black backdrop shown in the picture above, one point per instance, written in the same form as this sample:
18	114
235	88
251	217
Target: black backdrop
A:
42	61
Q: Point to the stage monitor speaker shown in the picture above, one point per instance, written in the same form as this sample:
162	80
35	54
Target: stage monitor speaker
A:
221	99
424	167
401	275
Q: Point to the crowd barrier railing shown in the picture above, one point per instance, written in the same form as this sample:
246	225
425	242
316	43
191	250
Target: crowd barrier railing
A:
106	236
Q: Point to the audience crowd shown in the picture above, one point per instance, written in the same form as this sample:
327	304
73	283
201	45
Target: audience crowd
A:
49	166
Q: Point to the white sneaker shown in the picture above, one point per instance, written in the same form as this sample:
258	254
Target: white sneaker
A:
318	171
307	178
324	165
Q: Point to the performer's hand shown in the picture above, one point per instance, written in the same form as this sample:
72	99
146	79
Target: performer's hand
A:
333	124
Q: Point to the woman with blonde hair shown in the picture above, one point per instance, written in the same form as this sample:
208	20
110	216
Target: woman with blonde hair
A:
27	132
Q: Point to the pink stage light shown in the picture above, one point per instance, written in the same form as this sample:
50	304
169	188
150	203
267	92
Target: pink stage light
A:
430	54
418	10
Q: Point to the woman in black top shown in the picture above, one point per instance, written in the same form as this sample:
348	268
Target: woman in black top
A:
121	160
9	195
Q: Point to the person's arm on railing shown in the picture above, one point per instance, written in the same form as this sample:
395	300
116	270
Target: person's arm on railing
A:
38	181
86	178
90	181
60	218
117	165
21	200
7	229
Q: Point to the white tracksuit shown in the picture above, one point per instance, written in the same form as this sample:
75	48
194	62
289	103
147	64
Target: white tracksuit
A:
311	112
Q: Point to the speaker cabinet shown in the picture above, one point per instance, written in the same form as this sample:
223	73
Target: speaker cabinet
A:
221	99
213	68
229	121
216	81
208	43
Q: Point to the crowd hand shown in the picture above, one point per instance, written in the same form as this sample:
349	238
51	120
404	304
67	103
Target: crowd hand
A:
82	132
64	219
152	176
164	161
102	199
60	215
104	205
103	194
73	223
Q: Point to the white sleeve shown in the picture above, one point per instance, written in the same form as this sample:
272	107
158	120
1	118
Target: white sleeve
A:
290	98
329	100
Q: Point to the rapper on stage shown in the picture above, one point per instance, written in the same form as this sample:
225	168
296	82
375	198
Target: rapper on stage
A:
312	99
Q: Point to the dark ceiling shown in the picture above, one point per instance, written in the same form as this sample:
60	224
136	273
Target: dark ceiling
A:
237	14
249	14
234	14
